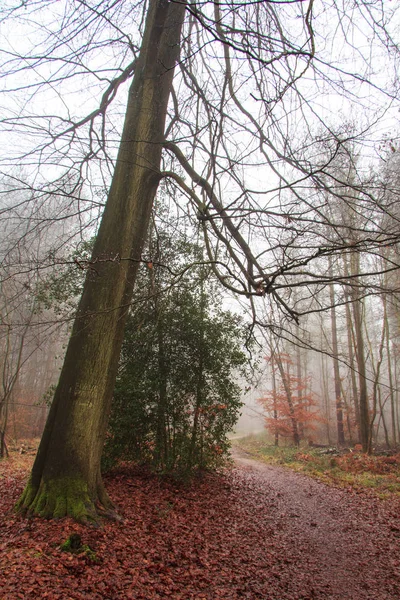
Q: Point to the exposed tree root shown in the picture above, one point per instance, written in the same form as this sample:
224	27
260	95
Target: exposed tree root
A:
65	497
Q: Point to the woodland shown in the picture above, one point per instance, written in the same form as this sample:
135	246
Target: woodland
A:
199	237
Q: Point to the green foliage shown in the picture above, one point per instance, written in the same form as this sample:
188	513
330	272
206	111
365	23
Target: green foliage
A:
61	290
175	398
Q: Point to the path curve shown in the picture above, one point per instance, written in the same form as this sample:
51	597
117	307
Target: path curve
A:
336	544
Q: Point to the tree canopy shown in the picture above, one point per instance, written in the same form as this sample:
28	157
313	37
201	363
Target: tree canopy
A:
266	97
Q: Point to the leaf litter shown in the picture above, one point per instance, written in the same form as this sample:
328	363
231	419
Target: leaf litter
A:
255	531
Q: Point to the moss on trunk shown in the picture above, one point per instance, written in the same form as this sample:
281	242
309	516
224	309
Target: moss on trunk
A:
65	497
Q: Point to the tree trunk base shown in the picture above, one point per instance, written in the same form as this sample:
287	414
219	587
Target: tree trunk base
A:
65	497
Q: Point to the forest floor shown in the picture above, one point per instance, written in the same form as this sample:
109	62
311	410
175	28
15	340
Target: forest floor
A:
255	531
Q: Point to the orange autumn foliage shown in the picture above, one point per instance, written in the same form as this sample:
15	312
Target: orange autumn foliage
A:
291	404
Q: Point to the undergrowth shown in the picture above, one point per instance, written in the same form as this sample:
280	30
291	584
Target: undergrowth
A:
380	474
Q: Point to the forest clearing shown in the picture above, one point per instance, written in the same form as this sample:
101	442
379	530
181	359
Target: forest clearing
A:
253	531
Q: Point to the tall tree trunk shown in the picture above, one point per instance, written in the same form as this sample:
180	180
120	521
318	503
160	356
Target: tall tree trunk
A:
376	393
360	356
336	371
347	412
396	389
286	385
3	445
301	392
325	397
383	419
376	400
390	373
274	391
65	478
350	346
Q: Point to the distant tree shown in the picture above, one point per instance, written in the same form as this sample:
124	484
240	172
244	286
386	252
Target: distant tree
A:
27	344
290	407
14	331
336	366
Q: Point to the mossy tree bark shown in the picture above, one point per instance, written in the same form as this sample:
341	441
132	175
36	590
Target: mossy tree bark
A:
65	478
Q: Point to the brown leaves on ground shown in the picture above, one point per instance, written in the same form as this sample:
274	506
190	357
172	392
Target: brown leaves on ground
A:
359	462
260	533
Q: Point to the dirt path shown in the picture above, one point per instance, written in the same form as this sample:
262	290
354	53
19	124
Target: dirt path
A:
337	544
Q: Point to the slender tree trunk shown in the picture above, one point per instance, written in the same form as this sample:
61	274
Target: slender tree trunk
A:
350	346
390	372
10	373
336	372
376	394
363	397
274	391
286	384
396	388
65	478
360	356
324	382
2	438
347	412
3	445
383	419
301	392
